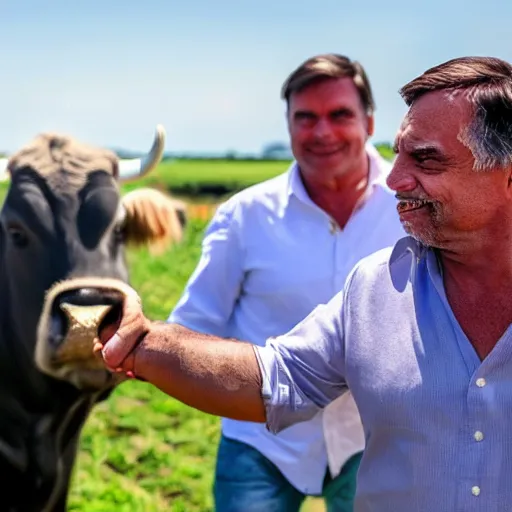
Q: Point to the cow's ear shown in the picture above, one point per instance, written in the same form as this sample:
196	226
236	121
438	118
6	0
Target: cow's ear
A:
152	219
4	175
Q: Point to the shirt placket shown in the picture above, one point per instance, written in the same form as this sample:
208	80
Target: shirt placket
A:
470	473
339	275
475	492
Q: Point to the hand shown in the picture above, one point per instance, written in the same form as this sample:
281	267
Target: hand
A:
117	342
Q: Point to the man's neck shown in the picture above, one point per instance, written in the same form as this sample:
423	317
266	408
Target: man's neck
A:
339	196
484	265
478	287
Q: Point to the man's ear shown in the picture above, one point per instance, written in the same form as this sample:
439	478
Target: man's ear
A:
287	119
371	125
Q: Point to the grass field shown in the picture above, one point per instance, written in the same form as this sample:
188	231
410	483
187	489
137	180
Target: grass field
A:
210	178
142	451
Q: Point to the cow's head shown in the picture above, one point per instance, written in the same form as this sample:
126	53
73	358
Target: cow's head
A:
63	231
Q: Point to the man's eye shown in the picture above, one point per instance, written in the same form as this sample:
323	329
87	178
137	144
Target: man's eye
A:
304	116
341	114
422	158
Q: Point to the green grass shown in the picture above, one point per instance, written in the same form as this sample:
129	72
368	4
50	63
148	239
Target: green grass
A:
218	177
3	191
209	178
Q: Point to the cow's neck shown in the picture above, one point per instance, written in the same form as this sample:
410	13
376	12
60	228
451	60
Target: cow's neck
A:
41	417
27	396
52	439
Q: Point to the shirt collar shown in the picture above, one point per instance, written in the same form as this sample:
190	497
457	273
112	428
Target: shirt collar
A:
405	246
416	251
295	184
379	167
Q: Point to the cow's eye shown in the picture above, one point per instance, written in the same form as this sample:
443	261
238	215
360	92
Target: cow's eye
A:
120	233
18	236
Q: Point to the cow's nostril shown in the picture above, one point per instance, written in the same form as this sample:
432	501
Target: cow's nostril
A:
59	325
91	297
88	299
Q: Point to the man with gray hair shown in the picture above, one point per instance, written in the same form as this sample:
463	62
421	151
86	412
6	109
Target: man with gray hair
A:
421	333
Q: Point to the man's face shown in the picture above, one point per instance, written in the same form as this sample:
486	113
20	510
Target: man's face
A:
328	128
442	199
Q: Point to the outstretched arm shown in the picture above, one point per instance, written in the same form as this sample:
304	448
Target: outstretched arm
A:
287	381
218	376
215	375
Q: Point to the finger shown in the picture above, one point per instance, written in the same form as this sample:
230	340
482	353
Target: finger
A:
131	303
132	327
107	331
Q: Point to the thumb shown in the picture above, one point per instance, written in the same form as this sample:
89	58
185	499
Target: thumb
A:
120	338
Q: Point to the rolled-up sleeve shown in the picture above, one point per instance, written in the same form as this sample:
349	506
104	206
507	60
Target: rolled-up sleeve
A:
303	370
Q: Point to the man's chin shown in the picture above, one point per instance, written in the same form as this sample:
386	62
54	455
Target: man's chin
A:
333	158
425	237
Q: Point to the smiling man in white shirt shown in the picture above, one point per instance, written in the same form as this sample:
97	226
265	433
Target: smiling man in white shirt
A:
275	251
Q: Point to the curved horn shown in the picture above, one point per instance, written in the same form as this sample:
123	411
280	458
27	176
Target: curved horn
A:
4	175
135	168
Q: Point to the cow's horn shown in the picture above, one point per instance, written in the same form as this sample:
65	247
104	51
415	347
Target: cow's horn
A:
4	175
135	168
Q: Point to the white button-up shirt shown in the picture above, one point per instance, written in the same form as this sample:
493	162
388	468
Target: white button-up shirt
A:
269	257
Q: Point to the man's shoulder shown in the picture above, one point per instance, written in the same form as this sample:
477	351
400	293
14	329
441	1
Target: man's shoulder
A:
268	188
270	192
375	262
388	261
386	271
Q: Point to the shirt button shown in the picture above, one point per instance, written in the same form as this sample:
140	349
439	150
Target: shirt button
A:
478	435
475	490
480	382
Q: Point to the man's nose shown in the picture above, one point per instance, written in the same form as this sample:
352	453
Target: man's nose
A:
323	128
400	179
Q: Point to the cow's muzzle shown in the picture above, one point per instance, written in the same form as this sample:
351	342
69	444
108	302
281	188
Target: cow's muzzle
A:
73	313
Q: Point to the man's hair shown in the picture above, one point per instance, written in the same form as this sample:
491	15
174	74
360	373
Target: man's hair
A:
487	83
329	66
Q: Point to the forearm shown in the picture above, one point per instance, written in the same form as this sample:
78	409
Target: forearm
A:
218	376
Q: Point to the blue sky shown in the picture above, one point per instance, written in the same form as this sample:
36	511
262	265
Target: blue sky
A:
211	70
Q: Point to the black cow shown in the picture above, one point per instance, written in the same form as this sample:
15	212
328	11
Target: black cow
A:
63	231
